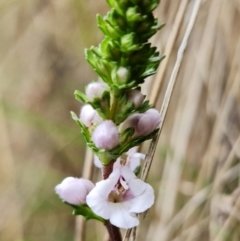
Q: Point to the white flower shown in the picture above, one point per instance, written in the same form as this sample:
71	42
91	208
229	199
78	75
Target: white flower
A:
106	135
89	116
120	197
74	190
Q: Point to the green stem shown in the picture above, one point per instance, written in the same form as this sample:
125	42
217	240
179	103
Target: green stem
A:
114	104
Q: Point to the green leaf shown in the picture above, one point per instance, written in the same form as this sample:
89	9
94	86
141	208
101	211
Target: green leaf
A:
133	142
117	20
85	132
129	42
119	5
126	135
85	211
133	14
80	96
109	30
149	5
137	170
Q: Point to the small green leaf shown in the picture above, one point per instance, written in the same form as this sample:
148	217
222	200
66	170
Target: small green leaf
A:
126	135
137	170
133	14
80	96
133	142
85	211
119	5
108	29
85	132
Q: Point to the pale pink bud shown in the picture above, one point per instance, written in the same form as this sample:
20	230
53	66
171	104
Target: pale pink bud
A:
74	190
122	75
136	97
144	123
89	116
96	90
106	135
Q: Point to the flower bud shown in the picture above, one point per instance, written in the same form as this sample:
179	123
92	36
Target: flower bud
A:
106	135
144	123
136	97
96	90
89	116
74	190
122	75
133	14
128	40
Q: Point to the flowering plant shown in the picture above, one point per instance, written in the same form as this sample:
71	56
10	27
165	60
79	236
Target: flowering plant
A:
116	117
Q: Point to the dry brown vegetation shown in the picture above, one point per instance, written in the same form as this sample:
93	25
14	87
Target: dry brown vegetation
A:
196	167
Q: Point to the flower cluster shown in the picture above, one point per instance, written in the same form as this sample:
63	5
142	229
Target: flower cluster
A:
118	198
116	117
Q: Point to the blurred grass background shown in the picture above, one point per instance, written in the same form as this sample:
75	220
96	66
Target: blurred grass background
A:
196	168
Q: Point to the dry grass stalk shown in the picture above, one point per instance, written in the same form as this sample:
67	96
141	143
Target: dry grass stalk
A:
228	226
11	222
158	80
169	91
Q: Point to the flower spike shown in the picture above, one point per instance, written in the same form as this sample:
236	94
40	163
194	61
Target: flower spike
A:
116	117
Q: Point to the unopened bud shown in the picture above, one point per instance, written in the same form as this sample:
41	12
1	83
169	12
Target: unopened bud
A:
96	90
144	123
122	75
89	116
133	14
128	40
106	135
74	190
136	97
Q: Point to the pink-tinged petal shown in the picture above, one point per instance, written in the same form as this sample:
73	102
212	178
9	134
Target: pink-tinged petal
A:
96	89
121	217
65	182
89	116
97	162
124	184
132	151
106	135
135	97
137	187
117	164
104	187
150	120
135	159
131	121
88	184
128	174
136	156
141	203
74	190
98	204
